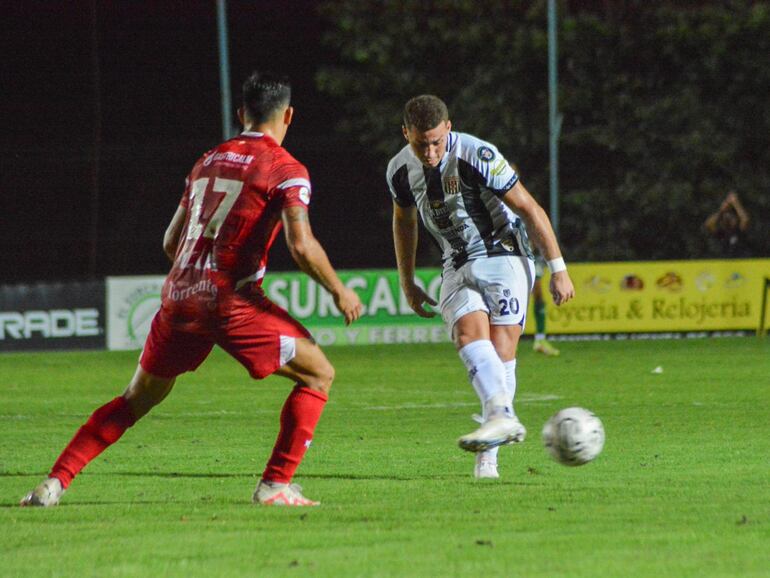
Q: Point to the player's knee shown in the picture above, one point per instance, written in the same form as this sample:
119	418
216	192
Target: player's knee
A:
327	377
323	377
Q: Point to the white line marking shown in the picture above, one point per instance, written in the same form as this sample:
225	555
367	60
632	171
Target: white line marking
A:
528	398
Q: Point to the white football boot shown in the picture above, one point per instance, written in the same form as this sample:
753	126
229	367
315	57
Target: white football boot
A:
494	432
47	493
486	466
275	494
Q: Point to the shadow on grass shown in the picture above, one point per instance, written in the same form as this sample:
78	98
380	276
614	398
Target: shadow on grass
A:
255	476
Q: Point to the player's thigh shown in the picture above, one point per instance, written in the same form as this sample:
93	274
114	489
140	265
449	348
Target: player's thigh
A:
262	337
309	366
462	305
173	347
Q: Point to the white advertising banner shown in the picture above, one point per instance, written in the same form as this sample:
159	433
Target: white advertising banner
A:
131	305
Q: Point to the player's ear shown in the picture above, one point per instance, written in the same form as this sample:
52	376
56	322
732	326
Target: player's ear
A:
288	114
242	116
405	131
449	125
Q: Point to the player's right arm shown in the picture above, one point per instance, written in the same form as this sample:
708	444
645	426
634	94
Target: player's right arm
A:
174	232
520	201
311	258
743	215
405	243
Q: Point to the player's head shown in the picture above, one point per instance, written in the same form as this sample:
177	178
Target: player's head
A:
426	125
266	98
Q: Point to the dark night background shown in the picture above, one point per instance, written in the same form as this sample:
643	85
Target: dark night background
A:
156	110
665	110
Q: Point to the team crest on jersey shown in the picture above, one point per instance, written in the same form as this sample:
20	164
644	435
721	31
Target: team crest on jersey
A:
451	185
485	154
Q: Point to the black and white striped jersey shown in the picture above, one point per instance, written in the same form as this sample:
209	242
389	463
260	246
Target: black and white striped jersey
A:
460	201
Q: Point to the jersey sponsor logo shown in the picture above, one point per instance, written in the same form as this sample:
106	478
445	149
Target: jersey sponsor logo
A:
670	281
174	293
485	154
228	157
52	323
451	185
441	214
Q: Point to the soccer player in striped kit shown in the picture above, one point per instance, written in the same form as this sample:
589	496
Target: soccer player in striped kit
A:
237	198
478	211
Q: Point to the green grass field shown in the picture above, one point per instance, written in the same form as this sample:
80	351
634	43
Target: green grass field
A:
682	488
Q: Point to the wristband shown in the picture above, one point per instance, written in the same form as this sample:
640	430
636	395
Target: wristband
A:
557	265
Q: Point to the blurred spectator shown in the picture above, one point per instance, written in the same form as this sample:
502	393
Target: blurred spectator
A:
727	228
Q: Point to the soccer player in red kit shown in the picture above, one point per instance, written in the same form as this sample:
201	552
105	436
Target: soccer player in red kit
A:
236	199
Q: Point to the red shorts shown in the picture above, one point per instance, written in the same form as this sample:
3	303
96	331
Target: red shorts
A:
251	332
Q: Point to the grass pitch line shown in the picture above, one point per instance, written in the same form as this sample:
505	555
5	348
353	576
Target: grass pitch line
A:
531	398
524	398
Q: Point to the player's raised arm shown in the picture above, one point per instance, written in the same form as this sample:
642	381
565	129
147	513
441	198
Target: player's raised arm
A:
311	258
174	232
520	201
405	241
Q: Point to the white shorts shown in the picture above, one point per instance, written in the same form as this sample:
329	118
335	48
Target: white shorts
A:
499	286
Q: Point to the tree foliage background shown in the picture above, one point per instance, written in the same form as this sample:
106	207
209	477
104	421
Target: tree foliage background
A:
665	105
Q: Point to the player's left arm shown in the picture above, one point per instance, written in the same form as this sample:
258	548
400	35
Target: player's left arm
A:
174	232
539	227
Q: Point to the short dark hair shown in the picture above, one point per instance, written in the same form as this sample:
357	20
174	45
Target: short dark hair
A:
425	112
264	93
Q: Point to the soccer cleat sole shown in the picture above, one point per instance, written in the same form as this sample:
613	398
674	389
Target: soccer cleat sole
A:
476	445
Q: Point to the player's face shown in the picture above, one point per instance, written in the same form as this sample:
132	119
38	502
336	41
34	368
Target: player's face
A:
429	146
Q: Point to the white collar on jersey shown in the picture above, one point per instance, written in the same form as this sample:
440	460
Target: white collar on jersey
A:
450	142
252	133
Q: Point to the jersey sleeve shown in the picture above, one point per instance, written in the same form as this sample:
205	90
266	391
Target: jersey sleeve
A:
498	175
290	182
185	201
398	185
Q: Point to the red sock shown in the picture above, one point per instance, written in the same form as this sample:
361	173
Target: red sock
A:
299	417
103	428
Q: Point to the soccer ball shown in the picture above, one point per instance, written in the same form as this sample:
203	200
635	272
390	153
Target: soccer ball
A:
573	436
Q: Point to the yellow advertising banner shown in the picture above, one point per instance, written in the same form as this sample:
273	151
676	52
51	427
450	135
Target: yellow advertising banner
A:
662	296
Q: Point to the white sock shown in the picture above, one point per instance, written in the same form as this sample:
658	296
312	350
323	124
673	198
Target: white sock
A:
510	382
510	393
487	374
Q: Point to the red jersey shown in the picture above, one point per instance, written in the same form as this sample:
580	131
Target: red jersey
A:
234	197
